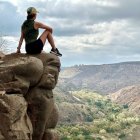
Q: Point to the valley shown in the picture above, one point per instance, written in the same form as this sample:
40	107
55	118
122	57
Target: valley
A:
99	102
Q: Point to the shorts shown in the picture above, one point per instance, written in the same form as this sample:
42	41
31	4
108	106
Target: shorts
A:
34	47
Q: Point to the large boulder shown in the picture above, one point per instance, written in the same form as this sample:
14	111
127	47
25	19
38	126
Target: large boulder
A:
14	121
27	109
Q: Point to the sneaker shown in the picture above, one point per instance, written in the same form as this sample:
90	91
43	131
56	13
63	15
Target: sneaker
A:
56	52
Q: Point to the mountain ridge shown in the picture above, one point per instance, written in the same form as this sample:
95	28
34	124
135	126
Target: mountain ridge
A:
123	62
105	78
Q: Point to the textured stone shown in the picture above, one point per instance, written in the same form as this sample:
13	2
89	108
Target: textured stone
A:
15	123
30	77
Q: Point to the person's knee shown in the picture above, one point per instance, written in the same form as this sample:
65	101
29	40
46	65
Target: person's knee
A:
47	32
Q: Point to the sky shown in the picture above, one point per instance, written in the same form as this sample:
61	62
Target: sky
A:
86	32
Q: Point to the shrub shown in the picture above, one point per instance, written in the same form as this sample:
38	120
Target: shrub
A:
89	118
110	130
102	131
99	104
122	135
125	106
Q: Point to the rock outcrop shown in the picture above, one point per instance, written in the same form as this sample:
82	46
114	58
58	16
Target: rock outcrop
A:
27	108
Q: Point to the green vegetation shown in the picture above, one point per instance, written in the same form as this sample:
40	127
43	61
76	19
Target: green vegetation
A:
105	120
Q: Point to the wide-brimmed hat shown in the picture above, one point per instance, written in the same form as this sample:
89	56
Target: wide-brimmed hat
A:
32	10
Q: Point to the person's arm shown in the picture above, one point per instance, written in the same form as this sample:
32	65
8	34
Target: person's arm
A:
42	26
20	42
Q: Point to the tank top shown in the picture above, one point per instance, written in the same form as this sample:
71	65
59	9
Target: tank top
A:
30	33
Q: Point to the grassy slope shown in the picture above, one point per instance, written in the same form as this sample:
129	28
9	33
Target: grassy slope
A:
93	116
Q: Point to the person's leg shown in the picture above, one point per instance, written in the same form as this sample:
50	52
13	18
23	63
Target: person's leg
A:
46	35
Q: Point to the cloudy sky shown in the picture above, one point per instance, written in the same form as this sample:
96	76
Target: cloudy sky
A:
86	32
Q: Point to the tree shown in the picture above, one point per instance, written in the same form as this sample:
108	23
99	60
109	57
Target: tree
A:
3	44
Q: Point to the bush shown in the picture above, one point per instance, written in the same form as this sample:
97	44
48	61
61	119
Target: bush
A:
102	131
110	130
80	137
116	109
125	106
74	131
86	132
89	118
65	138
88	137
99	104
122	135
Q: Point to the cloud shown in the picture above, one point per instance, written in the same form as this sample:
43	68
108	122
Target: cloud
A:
9	18
111	42
77	17
69	18
86	32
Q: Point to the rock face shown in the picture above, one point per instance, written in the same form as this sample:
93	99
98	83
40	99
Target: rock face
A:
128	96
27	109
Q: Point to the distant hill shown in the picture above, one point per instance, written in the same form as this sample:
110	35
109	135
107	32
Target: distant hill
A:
106	78
128	96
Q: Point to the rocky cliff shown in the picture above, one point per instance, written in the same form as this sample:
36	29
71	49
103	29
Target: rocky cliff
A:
128	96
27	108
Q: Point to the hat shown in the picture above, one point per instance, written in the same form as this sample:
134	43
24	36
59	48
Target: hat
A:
31	10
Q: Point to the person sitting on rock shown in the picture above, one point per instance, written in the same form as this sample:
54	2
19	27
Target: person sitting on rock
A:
30	32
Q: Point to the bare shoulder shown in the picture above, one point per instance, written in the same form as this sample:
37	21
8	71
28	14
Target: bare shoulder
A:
42	26
37	24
